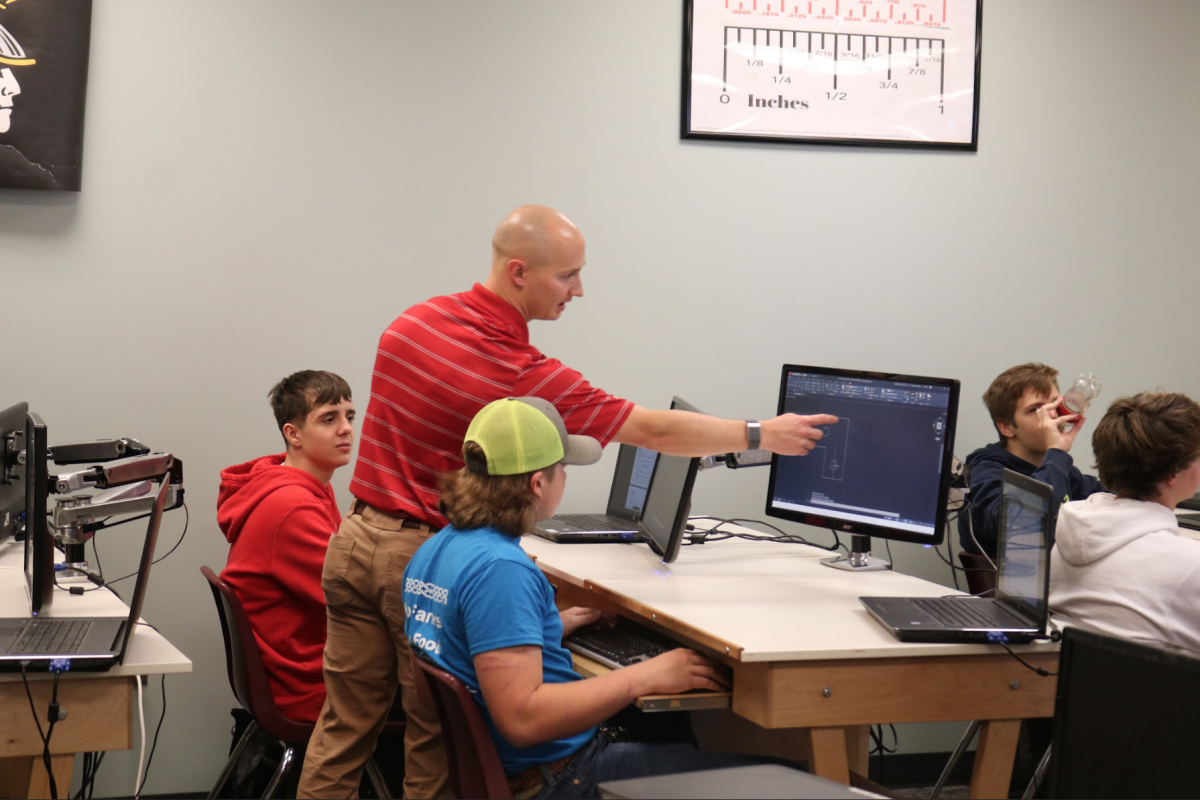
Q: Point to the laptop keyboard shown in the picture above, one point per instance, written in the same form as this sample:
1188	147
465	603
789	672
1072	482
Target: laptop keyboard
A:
958	614
621	644
51	636
590	522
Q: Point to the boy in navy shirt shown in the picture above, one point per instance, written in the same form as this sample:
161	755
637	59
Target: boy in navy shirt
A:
1023	402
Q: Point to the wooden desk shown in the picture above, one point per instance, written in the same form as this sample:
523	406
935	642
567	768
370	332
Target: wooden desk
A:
99	705
804	652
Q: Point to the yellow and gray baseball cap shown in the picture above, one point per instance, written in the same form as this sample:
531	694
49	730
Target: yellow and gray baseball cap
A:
525	434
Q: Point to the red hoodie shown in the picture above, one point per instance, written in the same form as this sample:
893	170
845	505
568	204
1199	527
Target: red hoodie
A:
278	521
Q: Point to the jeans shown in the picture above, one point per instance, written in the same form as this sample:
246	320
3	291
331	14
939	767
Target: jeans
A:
600	760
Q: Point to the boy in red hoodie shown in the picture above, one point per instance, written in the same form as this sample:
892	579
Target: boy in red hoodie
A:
278	513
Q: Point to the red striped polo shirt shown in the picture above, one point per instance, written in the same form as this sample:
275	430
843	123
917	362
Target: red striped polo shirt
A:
437	365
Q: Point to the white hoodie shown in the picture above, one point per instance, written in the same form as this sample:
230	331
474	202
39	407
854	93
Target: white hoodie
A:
1122	567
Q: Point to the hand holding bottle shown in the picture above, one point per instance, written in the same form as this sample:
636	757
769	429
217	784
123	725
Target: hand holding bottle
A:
1058	430
1079	396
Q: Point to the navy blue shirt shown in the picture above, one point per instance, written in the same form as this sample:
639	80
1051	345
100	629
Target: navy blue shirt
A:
986	464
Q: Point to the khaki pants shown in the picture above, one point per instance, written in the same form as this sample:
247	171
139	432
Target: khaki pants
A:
366	657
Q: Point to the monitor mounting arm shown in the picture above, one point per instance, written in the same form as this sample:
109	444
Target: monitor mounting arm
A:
126	484
742	458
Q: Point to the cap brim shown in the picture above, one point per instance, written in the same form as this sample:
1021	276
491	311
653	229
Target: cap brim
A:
582	450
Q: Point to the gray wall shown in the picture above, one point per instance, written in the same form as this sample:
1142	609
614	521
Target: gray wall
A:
268	184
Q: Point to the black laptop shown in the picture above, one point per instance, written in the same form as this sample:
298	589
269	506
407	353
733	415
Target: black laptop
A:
1018	613
1187	513
41	643
626	502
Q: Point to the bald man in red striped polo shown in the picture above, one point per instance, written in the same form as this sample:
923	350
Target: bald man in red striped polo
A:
437	365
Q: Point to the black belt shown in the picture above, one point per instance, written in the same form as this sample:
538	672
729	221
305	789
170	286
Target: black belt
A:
404	522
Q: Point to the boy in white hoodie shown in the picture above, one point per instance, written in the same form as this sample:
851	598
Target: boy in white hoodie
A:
1120	564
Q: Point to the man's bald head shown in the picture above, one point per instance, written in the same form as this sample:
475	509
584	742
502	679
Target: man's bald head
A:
536	235
537	257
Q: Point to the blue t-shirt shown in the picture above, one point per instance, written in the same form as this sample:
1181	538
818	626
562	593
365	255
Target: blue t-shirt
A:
470	592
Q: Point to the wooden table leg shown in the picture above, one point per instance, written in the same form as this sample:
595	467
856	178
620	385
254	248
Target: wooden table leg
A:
829	758
994	758
858	748
25	776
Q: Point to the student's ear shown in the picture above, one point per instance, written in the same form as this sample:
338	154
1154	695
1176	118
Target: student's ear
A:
537	483
1006	429
291	434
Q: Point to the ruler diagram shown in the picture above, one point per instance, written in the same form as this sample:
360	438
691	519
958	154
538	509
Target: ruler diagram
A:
893	72
887	62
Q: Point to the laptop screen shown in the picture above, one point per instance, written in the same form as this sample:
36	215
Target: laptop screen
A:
143	578
1023	562
631	482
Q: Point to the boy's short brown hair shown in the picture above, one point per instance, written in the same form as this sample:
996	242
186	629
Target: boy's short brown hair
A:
299	393
477	500
1002	396
1145	440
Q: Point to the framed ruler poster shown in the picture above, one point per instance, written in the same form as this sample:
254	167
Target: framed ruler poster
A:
892	73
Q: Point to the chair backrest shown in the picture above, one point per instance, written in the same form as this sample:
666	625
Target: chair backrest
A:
243	662
475	768
1124	719
981	575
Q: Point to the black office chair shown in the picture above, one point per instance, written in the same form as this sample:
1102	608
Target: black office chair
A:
248	679
1124	719
980	572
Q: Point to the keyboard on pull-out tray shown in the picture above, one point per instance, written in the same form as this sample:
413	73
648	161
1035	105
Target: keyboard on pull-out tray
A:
619	645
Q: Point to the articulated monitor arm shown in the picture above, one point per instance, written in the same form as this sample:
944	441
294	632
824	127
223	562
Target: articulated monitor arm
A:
742	458
99	450
127	490
114	473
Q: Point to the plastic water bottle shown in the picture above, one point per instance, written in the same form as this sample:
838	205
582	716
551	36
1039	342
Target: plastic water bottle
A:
1076	399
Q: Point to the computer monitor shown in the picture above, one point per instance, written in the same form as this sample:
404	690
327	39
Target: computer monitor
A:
12	471
39	542
669	500
882	471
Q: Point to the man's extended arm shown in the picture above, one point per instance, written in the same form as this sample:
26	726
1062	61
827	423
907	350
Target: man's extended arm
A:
683	433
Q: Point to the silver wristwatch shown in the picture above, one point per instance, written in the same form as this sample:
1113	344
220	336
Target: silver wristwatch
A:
753	434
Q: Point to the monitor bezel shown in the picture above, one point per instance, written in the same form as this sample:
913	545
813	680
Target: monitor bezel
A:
855	527
39	542
670	551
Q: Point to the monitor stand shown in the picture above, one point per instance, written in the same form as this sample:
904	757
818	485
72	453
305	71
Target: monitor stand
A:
859	559
75	566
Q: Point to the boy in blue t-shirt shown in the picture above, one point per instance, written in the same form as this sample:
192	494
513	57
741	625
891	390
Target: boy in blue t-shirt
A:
478	607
